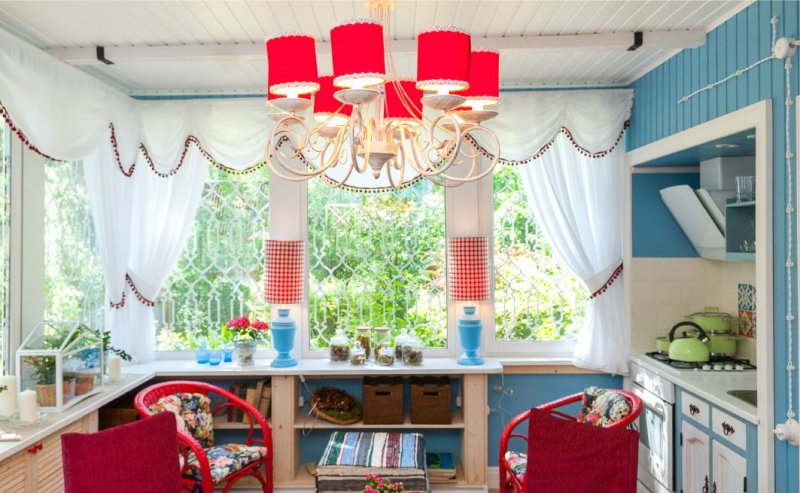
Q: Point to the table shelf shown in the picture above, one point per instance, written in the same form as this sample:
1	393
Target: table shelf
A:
305	421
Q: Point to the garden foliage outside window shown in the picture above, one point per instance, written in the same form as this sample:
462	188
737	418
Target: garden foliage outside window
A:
220	273
74	286
377	259
536	297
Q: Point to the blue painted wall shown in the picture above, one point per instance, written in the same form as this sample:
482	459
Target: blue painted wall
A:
529	391
656	114
655	231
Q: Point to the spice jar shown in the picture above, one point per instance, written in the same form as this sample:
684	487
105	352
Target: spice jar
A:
399	341
386	355
357	355
340	346
412	351
362	336
380	338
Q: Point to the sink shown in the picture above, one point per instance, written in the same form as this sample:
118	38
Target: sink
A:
749	396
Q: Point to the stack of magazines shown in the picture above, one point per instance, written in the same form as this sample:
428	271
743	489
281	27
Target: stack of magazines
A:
441	468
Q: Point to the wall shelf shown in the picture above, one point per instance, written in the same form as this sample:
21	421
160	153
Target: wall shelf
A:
306	422
740	230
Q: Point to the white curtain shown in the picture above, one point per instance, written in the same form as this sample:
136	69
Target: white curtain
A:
569	144
578	202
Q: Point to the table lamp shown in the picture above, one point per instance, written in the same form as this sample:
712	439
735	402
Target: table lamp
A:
283	285
468	280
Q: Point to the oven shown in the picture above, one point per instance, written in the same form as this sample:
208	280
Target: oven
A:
656	430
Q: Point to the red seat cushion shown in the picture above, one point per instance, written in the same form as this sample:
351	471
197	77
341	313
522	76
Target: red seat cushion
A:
568	457
132	458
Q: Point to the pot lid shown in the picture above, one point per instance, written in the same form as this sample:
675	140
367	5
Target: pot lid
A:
720	332
711	312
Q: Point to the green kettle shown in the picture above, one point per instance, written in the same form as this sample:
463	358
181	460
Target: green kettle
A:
689	349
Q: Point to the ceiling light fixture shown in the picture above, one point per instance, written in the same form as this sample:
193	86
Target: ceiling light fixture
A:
366	117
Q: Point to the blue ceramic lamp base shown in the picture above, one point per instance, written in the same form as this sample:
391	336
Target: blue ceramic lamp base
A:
283	330
469	331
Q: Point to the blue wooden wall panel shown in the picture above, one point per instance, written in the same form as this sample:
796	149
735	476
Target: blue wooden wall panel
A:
656	234
737	43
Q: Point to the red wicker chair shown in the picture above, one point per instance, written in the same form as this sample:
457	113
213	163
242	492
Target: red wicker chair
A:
191	448
509	481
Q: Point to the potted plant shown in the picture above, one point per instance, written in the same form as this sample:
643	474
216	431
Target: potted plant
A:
246	335
376	484
44	372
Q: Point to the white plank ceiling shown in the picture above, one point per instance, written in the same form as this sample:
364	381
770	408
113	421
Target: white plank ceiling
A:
63	26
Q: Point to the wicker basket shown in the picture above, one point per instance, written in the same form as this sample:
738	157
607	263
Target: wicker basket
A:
431	401
383	400
47	394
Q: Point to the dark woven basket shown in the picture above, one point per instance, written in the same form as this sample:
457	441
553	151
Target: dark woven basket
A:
383	400
431	401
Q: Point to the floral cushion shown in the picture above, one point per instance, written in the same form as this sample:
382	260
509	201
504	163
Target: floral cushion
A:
518	461
227	459
602	407
193	412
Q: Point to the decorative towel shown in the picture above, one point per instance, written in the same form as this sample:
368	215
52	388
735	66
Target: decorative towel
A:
570	457
349	456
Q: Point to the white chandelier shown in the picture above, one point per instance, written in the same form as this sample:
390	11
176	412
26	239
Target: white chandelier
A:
366	118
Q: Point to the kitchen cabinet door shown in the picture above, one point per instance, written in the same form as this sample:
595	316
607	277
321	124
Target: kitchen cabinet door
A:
730	470
694	460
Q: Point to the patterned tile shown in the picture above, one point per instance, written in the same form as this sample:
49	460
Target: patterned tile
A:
747	297
747	323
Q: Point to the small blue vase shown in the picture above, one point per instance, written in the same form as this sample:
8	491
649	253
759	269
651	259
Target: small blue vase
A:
469	331
283	330
227	353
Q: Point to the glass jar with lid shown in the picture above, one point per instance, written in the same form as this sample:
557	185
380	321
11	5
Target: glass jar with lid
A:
358	356
399	341
362	336
412	351
340	346
386	355
381	336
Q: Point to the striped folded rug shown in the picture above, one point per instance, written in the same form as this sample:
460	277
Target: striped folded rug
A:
349	456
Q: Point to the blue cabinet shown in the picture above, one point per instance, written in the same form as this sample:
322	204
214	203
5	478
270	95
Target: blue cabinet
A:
716	452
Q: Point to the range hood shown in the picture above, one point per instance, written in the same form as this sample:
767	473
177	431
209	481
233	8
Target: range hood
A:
698	216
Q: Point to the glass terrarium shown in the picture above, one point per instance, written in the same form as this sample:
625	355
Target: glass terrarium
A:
62	362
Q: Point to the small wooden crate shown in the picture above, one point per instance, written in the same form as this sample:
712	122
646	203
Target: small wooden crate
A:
383	400
431	401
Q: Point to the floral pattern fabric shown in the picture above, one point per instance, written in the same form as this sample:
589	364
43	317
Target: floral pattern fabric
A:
193	413
602	407
517	461
227	459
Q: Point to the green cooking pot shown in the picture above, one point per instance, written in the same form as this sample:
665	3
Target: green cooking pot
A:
712	320
722	343
662	344
690	349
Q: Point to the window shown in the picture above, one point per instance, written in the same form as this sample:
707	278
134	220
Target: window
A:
221	271
5	242
536	297
377	259
74	286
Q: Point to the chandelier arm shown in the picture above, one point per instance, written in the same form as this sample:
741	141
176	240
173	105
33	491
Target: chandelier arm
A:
277	141
485	172
449	158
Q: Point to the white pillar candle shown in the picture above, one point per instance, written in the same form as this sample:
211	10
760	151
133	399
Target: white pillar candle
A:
114	368
8	397
27	406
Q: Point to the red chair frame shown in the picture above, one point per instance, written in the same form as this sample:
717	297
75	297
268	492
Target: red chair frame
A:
187	443
509	482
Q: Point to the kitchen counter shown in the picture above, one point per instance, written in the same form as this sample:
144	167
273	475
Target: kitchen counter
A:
711	386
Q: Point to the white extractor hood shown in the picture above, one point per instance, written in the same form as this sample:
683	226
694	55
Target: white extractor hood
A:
696	220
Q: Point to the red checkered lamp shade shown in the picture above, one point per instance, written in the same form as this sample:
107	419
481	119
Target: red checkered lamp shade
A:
468	269
285	271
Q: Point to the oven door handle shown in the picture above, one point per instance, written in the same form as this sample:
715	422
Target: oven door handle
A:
651	403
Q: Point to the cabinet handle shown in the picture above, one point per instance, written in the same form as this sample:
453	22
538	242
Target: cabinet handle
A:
694	410
727	429
705	486
35	448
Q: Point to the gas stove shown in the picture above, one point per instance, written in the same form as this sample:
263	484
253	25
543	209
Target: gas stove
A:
716	364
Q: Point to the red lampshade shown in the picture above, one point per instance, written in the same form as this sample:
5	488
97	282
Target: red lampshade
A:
484	78
395	107
357	52
285	271
443	59
468	269
291	65
326	106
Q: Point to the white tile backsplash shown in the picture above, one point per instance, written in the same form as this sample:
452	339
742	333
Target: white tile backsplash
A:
664	290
